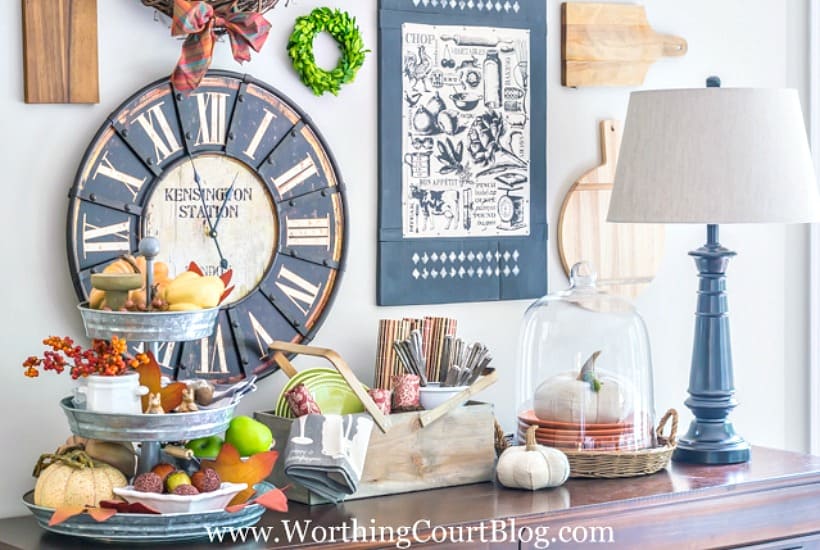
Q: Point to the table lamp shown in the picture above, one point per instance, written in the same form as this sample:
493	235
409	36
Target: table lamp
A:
710	156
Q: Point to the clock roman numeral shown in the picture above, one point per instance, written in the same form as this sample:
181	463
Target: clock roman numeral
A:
132	183
263	339
308	232
213	111
300	291
215	357
295	175
154	123
107	238
259	134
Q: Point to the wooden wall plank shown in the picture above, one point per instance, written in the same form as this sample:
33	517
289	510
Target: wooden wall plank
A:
60	51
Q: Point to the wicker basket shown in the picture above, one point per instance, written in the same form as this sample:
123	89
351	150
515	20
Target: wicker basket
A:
610	464
261	6
502	442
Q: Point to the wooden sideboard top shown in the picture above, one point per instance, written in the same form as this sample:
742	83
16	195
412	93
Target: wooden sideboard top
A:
775	495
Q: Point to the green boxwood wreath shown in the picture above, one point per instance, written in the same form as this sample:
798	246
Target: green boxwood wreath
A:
342	27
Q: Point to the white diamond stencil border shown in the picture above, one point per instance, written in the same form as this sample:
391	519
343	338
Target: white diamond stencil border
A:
480	5
461	264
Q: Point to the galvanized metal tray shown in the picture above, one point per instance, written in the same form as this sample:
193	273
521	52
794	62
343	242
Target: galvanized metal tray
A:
143	326
149	528
147	427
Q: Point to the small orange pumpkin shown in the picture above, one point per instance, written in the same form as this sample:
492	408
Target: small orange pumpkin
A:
129	264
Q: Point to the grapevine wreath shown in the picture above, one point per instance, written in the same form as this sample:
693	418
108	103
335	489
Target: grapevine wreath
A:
342	27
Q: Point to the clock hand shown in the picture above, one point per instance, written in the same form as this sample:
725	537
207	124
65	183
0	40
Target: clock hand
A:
223	263
221	210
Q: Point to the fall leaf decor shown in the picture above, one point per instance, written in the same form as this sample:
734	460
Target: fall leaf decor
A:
233	469
151	378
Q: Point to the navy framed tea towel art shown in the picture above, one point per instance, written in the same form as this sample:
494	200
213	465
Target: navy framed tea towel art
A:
462	151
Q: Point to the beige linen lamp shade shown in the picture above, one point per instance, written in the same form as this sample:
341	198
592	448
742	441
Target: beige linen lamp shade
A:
713	156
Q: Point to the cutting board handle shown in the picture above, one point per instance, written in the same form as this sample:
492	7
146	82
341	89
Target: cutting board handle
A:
673	46
610	137
610	142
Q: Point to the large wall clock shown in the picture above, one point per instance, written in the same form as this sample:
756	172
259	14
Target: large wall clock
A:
232	176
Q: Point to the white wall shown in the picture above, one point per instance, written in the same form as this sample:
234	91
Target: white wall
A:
748	43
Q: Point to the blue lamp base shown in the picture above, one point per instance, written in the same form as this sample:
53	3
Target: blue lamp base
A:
711	438
725	452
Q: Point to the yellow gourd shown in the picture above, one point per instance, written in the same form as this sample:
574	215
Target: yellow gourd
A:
201	291
532	466
183	306
183	277
72	478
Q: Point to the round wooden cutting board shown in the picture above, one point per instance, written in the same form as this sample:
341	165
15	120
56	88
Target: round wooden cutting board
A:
626	256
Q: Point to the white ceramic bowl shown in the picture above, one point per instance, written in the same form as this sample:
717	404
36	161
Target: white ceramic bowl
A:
183	504
432	395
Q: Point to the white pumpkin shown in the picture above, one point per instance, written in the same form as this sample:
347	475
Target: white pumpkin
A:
532	466
593	397
63	485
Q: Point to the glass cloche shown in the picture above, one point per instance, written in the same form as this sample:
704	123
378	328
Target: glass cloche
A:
585	370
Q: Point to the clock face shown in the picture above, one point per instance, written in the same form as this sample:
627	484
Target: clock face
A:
231	197
232	176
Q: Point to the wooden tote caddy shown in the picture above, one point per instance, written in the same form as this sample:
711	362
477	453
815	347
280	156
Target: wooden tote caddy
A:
408	451
626	256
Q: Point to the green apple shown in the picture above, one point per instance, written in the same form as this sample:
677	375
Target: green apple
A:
205	447
176	479
249	436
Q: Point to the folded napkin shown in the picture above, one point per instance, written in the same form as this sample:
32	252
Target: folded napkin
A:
325	453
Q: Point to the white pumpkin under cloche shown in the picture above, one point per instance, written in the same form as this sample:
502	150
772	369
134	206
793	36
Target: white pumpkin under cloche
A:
585	371
570	397
532	466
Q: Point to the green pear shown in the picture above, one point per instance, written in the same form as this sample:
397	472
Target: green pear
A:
249	436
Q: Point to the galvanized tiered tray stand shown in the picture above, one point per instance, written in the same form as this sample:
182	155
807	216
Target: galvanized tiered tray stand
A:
151	328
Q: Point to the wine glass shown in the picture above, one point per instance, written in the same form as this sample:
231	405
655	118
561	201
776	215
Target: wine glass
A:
302	439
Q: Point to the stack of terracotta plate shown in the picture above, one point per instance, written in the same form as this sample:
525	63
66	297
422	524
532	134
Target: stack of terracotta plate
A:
616	436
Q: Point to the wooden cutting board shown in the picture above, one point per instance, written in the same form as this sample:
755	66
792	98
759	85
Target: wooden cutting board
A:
60	51
625	255
610	44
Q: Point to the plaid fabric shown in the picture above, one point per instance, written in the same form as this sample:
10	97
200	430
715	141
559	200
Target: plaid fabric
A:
197	21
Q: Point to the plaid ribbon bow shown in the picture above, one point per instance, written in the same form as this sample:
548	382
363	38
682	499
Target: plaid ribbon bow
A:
196	21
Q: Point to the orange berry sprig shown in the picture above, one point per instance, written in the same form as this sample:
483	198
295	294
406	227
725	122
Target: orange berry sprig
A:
103	358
